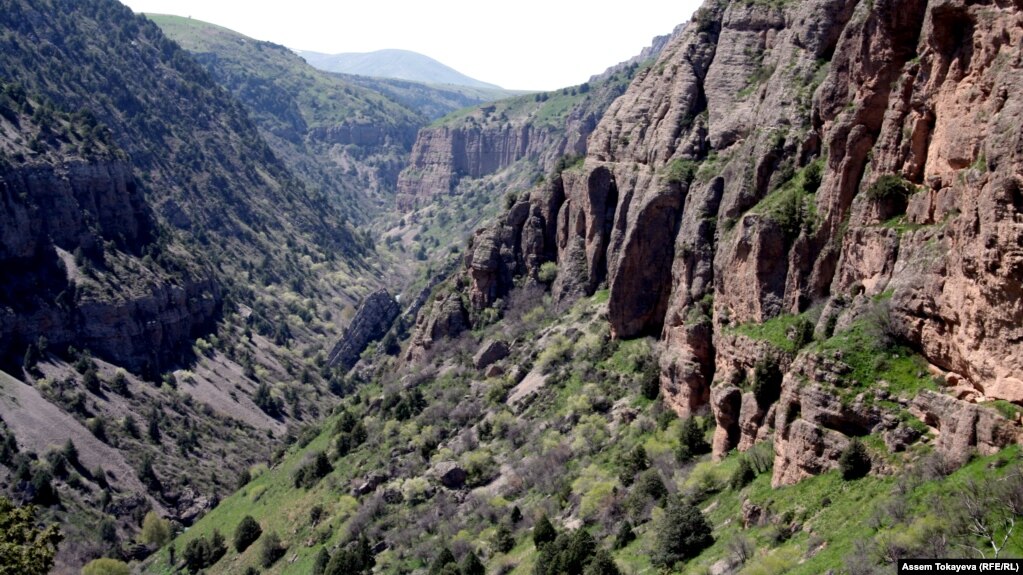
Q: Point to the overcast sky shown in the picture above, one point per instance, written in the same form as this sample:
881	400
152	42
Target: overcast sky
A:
524	44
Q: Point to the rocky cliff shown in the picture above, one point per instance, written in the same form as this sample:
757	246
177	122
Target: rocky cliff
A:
790	188
73	230
372	320
540	129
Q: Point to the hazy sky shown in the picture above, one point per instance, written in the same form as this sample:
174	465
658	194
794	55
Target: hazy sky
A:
523	44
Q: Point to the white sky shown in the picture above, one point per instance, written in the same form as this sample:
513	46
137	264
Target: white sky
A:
522	44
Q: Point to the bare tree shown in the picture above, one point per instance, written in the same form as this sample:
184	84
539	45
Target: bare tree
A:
988	513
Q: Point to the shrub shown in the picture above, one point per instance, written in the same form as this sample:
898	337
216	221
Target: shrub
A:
548	273
106	566
767	378
272	549
246	533
310	472
681	171
471	565
682	533
568	553
854	462
813	177
633	463
802	332
265	401
691	442
28	548
890	187
743	475
201	553
443	559
155	529
321	561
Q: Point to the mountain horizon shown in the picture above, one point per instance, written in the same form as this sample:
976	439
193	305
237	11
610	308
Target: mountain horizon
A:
392	63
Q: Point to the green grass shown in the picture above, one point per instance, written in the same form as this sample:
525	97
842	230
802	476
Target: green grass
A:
774	331
859	348
1008	409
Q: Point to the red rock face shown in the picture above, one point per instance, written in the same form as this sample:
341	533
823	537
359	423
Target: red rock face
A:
680	207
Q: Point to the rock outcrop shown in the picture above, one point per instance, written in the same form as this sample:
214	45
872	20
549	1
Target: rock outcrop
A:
94	211
371	322
857	159
539	130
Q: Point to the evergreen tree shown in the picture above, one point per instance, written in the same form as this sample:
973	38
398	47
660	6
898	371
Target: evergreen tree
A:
503	539
321	561
471	565
854	461
442	560
681	534
602	564
246	533
690	441
543	532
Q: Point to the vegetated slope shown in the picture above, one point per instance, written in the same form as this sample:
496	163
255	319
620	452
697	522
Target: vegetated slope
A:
434	101
398	64
168	282
349	140
788	204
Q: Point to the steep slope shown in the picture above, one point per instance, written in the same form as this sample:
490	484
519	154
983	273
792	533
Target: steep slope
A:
397	64
164	269
769	237
348	140
792	170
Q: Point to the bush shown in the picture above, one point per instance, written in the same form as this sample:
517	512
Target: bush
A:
321	562
682	533
443	560
548	273
568	553
272	549
854	462
767	378
471	565
268	403
201	553
691	442
310	472
633	463
246	533
743	475
890	187
155	530
681	171
106	566
602	564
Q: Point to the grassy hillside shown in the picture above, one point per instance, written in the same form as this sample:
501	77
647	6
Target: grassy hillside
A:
575	401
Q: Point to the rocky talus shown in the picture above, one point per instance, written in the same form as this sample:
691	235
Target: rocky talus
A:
855	164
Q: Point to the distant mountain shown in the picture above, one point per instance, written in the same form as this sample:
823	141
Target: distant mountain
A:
400	64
